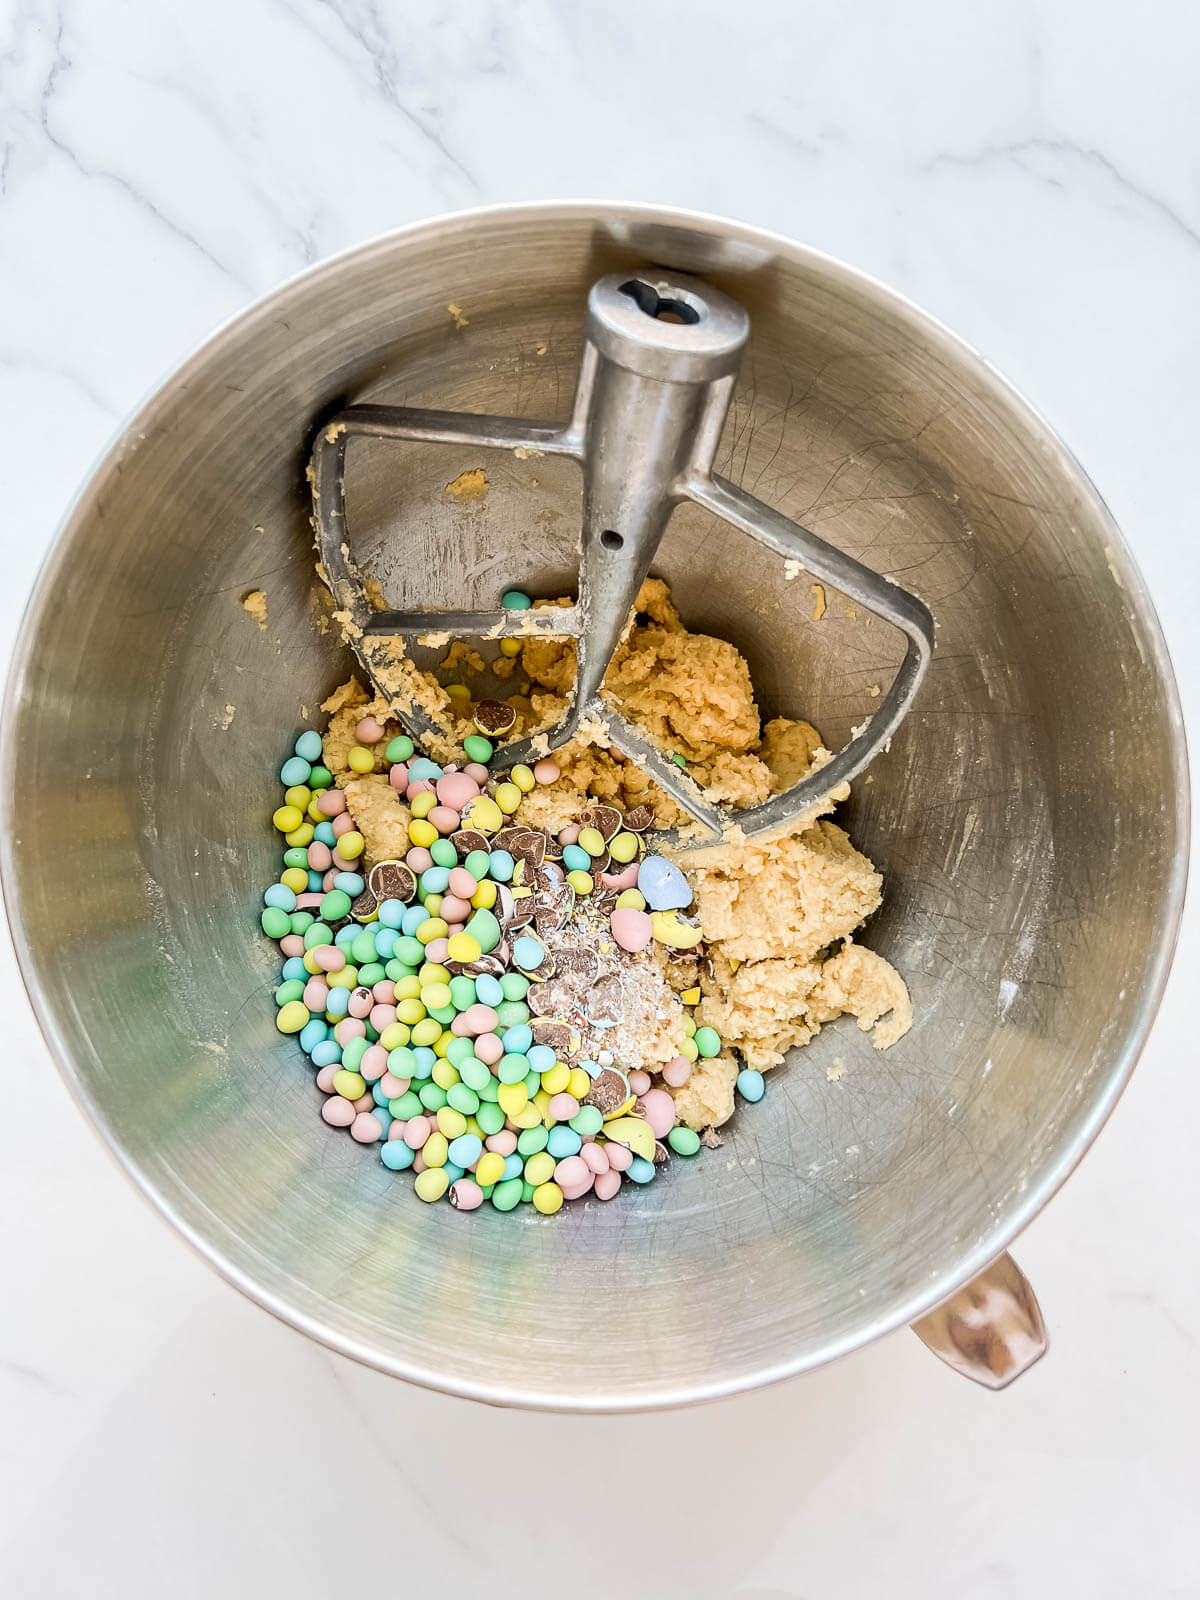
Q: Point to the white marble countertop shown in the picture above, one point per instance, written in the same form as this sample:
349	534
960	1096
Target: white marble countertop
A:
1028	173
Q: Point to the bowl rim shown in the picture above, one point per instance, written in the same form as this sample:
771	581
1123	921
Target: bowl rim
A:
906	1308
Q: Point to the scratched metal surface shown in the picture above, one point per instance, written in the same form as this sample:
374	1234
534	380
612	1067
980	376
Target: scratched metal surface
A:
1028	818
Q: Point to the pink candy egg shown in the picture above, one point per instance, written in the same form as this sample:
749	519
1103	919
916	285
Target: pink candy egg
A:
475	1019
421	786
385	992
454	789
374	1063
436	950
625	879
454	908
639	1082
476	770
365	1102
316	994
546	771
292	944
465	1194
308	901
677	1071
607	1185
331	802
418	859
394	1087
330	957
398	776
417	1131
445	820
569	834
320	856
369	731
488	1048
503	1143
658	1108
327	880
350	1028
381	1017
361	1001
462	883
418	1165
619	1158
325	1077
366	1128
633	930
571	1171
342	823
396	1131
563	1107
337	1112
595	1157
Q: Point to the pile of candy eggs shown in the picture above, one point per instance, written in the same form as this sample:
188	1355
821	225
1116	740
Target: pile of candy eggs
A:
437	1066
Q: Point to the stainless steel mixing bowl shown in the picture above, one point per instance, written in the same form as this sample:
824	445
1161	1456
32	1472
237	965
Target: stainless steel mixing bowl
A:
1030	818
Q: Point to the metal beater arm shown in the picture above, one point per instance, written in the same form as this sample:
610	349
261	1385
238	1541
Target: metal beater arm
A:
659	365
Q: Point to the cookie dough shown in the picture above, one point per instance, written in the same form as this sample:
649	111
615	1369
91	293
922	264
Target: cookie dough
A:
778	917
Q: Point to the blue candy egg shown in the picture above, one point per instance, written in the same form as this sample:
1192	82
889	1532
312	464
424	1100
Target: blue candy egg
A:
514	1166
281	897
346	936
422	767
529	952
488	990
391	913
294	967
466	1150
640	1170
435	880
308	745
396	1155
385	943
425	1061
563	1141
501	866
750	1084
453	1172
662	885
349	883
324	832
313	1033
294	770
414	916
338	1003
517	1040
576	859
327	1053
540	1057
316	883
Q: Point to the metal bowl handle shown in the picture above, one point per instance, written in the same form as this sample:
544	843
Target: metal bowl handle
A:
991	1330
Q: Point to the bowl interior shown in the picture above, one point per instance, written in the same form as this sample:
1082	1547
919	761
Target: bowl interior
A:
1025	818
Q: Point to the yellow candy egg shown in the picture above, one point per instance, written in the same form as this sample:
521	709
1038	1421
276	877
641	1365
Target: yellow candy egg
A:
591	840
482	813
578	1083
489	1169
302	836
463	947
423	804
422	833
360	759
582	882
287	818
351	845
431	1184
512	1098
451	1123
632	898
295	879
524	779
508	798
634	1133
556	1078
298	795
670	931
484	897
510	647
623	848
547	1198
